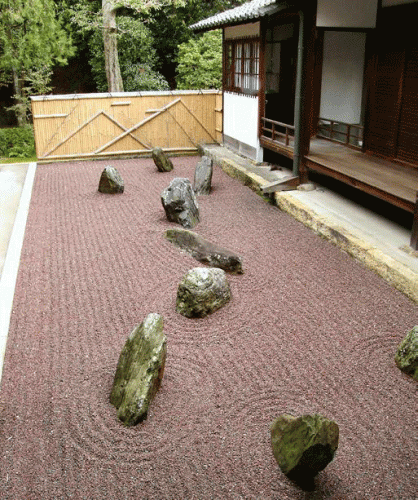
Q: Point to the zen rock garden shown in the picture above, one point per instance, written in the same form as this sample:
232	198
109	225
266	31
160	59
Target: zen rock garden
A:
302	446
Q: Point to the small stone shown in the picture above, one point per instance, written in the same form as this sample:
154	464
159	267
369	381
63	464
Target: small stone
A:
139	371
203	176
308	186
162	162
303	446
406	357
111	181
202	291
180	204
204	251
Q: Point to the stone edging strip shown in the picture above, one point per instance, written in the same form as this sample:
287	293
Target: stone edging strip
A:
396	274
12	260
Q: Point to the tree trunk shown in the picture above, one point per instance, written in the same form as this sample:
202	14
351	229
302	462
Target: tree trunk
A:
114	78
20	109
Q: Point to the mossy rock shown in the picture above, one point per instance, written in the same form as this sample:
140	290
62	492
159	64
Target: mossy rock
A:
305	445
204	251
139	371
161	160
111	181
202	291
406	357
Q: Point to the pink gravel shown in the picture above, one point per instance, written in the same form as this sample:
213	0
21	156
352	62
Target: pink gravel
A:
308	330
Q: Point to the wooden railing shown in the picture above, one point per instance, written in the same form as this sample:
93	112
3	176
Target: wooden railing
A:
282	133
344	133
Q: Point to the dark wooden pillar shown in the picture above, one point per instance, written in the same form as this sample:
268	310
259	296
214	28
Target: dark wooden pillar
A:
262	77
414	235
311	86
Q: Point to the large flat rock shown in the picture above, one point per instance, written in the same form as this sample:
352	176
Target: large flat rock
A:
204	251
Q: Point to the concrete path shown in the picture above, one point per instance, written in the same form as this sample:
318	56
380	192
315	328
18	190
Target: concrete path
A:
16	183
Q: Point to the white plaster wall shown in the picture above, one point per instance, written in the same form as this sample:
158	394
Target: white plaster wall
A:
242	31
346	13
342	76
241	118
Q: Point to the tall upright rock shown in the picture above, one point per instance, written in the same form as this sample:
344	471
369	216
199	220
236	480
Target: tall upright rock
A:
203	176
161	160
139	371
180	204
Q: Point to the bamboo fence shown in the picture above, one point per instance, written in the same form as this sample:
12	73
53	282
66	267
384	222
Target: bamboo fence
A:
130	123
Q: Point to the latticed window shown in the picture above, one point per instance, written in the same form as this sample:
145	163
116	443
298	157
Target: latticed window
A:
242	66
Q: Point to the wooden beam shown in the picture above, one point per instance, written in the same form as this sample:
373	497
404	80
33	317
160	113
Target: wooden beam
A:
286	184
414	233
363	186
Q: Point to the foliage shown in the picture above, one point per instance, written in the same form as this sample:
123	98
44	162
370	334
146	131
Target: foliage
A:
32	40
137	77
170	28
90	18
36	83
200	62
17	142
135	45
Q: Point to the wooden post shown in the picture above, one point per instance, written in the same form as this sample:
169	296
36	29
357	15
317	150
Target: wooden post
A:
414	233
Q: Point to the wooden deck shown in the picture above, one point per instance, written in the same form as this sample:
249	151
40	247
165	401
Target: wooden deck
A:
390	181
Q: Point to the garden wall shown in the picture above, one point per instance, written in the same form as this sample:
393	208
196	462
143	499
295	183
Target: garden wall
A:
122	124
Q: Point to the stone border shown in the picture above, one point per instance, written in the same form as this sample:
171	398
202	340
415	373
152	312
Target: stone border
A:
395	273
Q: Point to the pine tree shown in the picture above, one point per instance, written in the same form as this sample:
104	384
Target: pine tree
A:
32	41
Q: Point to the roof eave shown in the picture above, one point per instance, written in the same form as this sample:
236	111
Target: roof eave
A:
264	12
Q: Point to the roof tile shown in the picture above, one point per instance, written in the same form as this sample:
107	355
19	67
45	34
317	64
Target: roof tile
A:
246	12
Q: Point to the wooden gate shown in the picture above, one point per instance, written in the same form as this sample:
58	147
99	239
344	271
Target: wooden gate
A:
105	125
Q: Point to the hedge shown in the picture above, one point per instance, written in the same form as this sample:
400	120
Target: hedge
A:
17	142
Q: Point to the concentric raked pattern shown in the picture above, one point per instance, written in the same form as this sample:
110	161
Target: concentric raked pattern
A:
308	330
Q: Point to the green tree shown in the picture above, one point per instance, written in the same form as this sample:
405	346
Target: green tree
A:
200	62
135	48
170	28
89	17
32	41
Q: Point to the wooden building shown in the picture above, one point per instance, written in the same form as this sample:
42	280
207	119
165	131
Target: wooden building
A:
330	84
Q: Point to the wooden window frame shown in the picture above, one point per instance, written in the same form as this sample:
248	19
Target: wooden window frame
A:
242	65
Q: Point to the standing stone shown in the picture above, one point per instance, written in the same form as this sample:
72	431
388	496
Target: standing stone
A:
202	291
163	163
111	181
203	176
204	251
140	370
180	204
303	446
406	357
